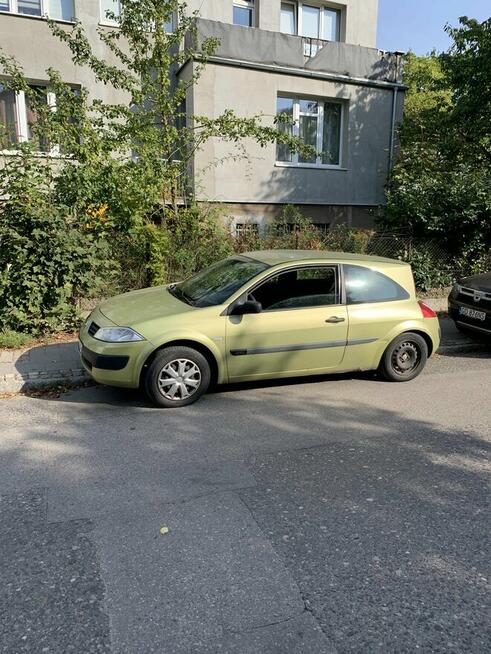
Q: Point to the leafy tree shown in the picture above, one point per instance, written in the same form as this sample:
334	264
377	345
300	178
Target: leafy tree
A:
441	184
134	155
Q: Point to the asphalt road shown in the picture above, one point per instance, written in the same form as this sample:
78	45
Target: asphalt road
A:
336	515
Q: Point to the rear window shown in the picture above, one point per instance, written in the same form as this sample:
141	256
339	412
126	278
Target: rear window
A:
364	285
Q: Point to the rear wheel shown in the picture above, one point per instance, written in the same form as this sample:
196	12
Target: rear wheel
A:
404	358
178	376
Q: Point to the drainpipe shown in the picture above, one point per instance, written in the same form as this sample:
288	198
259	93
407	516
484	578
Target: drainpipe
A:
392	128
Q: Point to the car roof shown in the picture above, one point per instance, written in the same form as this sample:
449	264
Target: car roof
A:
276	257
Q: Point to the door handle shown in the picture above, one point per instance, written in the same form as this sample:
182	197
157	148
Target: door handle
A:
335	319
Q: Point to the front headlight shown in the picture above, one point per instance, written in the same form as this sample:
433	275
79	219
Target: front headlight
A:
117	335
457	288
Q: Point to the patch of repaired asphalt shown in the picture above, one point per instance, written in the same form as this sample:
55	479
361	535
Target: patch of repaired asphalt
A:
51	595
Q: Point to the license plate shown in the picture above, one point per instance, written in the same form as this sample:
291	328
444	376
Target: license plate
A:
472	313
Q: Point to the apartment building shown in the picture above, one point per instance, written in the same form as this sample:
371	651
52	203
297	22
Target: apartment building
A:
314	61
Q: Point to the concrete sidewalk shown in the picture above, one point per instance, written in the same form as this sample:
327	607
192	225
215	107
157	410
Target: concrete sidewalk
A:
46	365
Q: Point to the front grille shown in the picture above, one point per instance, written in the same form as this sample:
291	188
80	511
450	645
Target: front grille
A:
93	328
469	295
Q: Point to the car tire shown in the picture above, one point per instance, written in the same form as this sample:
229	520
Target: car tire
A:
404	358
177	376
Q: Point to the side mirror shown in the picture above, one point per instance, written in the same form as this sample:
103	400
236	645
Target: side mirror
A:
248	306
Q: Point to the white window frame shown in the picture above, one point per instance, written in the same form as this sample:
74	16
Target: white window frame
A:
104	20
294	5
23	125
14	9
295	163
321	6
246	4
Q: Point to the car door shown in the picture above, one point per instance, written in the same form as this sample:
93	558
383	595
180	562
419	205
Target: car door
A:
301	329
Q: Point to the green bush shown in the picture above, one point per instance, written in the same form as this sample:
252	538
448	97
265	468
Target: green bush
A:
47	259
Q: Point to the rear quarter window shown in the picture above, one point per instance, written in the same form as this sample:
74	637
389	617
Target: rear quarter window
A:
364	285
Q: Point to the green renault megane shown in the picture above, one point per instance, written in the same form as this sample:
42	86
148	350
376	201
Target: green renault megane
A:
262	315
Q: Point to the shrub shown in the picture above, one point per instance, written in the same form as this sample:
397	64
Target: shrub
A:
47	259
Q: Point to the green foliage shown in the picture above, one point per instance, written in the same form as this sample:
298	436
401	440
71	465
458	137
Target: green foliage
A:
292	231
10	339
47	260
441	185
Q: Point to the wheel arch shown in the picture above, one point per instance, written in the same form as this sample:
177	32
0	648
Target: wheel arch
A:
184	342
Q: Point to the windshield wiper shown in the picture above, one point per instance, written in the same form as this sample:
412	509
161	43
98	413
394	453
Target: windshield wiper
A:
177	292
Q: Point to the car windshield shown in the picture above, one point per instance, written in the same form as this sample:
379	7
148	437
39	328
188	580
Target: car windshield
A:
218	282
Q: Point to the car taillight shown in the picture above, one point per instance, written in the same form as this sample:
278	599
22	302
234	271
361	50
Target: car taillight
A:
426	310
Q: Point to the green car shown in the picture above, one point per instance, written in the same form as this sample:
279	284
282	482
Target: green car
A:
262	315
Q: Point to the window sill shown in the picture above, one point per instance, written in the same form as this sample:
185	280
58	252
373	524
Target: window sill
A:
284	164
38	155
44	17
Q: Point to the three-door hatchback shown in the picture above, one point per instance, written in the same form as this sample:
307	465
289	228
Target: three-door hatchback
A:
262	315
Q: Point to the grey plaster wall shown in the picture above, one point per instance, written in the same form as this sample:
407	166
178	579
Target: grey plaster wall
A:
359	17
31	42
359	181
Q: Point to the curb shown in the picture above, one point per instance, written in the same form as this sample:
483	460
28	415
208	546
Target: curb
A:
15	382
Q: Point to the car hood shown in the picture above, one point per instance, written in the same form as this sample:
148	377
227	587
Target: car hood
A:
138	307
479	282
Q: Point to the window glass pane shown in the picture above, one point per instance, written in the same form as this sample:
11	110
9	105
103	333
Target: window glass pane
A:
30	7
8	118
287	23
61	9
331	134
308	106
310	21
284	107
331	25
110	5
299	289
364	285
308	134
32	119
243	16
4	5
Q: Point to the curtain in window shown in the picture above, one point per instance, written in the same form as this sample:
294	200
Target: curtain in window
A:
331	134
284	108
8	118
29	7
310	21
61	9
331	25
32	119
287	25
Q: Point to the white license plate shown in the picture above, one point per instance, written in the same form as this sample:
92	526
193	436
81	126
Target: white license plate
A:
472	313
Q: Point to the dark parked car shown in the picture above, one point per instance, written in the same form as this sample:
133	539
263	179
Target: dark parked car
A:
469	304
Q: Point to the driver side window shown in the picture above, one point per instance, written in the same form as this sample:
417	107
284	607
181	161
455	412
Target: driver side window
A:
301	288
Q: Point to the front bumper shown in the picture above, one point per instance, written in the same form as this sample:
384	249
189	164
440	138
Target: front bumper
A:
112	364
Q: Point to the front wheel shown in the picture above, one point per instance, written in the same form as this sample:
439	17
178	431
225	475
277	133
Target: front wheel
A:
178	376
404	358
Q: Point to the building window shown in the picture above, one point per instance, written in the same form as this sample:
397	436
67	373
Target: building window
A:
113	7
288	18
243	230
8	118
315	21
18	118
244	13
317	123
57	9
